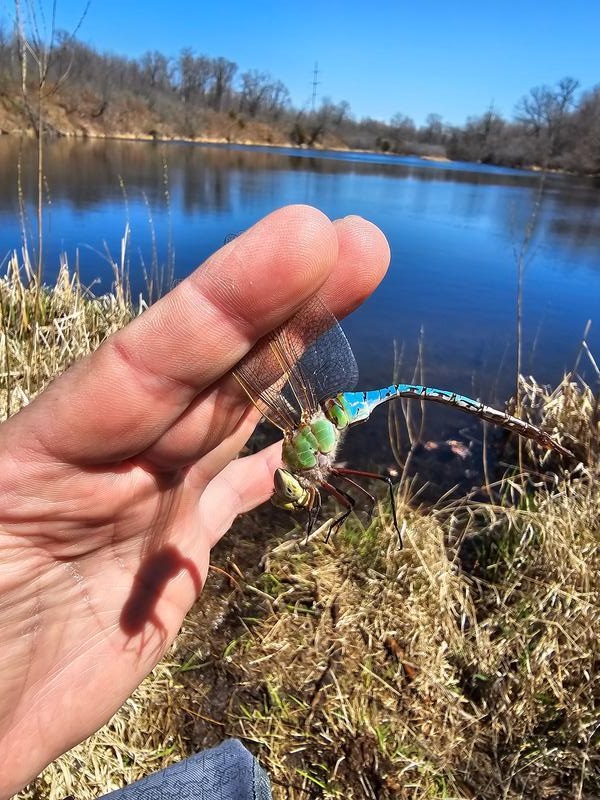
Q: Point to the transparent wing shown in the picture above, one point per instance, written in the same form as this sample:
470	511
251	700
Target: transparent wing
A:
263	377
289	371
327	363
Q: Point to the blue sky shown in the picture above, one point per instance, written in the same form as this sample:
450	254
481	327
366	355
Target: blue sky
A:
451	58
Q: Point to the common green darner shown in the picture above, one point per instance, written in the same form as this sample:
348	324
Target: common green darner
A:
299	377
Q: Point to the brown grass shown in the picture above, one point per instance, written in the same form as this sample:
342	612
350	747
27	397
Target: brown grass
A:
468	671
463	666
45	329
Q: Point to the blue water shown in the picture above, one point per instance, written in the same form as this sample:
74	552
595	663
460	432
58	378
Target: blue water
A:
454	231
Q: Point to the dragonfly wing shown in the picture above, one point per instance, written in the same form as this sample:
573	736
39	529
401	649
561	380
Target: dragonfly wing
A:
300	363
316	355
327	362
263	378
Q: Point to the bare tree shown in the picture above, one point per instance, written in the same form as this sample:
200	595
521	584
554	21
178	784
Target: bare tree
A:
156	70
255	90
278	99
586	133
544	113
223	72
481	139
195	76
310	129
403	130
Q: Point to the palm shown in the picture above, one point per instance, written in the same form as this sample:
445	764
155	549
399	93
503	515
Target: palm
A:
119	479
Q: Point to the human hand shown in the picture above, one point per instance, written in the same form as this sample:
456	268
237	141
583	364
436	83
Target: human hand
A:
121	476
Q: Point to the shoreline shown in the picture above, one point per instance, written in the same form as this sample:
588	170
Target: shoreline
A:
224	141
317	148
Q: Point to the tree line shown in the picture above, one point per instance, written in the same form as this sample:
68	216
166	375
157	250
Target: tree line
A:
554	127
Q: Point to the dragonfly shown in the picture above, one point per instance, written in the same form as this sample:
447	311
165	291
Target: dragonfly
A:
301	377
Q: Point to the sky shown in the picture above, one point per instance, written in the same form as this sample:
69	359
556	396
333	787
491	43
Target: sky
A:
455	59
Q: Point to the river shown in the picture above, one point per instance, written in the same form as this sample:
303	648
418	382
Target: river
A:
455	230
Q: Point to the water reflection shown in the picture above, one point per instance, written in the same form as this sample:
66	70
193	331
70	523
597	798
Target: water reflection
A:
84	170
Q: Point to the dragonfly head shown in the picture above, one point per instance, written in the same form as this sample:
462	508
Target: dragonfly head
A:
289	492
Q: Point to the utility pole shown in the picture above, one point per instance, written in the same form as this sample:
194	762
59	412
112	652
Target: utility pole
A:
315	83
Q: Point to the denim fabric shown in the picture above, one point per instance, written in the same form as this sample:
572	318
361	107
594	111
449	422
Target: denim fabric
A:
226	772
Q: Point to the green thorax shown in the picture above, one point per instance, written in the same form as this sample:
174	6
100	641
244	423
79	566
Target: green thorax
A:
318	436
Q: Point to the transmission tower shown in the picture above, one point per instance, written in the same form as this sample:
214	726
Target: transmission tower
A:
315	83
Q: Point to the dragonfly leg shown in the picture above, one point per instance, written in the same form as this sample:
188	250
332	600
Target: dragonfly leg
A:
359	488
314	509
346	500
344	473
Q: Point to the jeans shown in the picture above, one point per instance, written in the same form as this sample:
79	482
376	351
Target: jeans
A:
226	772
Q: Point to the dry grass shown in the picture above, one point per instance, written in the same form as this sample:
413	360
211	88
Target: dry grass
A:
434	672
46	328
463	666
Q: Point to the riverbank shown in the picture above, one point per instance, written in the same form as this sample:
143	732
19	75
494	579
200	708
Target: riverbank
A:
463	665
135	121
264	136
331	144
86	117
